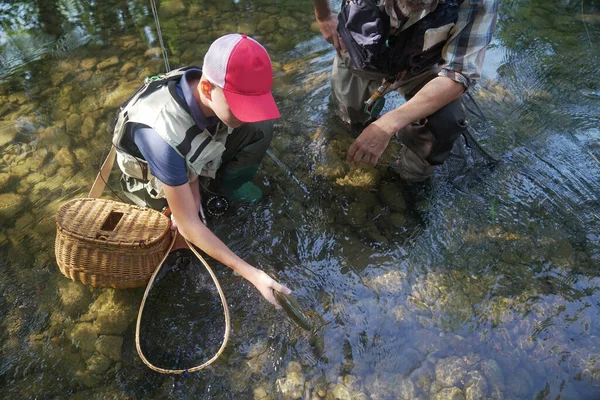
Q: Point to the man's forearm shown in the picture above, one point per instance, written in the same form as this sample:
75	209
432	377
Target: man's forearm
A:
322	9
434	95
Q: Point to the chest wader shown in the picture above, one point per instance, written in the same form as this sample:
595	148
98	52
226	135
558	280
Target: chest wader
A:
408	53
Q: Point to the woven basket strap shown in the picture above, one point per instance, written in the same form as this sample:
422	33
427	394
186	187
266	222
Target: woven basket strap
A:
103	174
225	311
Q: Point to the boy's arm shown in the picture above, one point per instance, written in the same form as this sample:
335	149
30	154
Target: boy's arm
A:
183	207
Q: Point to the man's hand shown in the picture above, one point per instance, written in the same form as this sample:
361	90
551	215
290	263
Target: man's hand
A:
369	146
328	28
265	285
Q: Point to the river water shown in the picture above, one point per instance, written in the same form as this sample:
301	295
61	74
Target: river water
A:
483	283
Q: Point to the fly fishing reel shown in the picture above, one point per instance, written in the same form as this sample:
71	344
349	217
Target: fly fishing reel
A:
216	206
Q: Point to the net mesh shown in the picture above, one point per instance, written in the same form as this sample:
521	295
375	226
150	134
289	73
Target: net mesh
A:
217	57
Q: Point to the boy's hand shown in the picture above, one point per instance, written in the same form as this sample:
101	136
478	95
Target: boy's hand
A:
265	285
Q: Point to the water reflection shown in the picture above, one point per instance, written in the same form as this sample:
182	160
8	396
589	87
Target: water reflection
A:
480	284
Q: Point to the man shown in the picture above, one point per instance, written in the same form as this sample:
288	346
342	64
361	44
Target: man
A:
431	51
169	135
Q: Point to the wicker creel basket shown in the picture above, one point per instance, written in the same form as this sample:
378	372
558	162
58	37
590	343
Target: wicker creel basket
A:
111	244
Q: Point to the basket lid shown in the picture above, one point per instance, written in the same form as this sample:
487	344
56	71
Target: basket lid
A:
112	222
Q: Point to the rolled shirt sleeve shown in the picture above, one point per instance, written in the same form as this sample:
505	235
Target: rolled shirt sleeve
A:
465	49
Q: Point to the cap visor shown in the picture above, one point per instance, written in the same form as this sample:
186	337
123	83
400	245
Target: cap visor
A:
252	108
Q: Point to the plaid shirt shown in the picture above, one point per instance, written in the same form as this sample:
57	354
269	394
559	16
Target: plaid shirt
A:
465	48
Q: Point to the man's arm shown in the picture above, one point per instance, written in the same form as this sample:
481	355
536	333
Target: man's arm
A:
372	142
183	206
463	55
328	23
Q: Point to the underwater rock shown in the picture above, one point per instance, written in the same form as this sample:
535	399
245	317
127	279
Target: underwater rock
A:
520	383
450	371
73	123
37	158
65	158
390	281
8	132
360	178
98	364
260	393
357	214
405	389
109	62
189	37
4	179
284	43
89	379
110	346
247	28
87	128
453	393
154	52
476	386
18	98
113	322
10	203
267	26
495	377
75	297
293	366
287	23
338	392
292	386
423	377
112	312
258	356
120	94
84	336
392	196
88	63
398	220
380	386
562	253
128	67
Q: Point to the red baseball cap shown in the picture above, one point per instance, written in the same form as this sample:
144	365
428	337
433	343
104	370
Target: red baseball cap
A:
242	68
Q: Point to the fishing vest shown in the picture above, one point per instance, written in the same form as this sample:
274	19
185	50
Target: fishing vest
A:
158	105
365	29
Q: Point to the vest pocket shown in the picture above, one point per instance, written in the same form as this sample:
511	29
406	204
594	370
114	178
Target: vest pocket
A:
208	160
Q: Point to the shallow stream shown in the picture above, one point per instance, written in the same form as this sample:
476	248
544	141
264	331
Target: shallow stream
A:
483	283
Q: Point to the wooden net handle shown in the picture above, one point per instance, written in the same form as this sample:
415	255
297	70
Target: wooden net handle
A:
225	311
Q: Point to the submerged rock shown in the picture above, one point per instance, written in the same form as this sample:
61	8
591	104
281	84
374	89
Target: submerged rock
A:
292	386
476	385
450	371
357	214
110	346
392	196
109	62
10	203
8	132
75	297
84	336
453	393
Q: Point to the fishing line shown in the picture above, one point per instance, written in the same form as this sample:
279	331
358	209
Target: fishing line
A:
160	38
585	25
288	172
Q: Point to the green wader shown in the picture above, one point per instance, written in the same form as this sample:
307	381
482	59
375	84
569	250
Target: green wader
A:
245	148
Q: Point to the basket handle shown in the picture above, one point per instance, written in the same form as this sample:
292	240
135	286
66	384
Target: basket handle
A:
225	312
103	174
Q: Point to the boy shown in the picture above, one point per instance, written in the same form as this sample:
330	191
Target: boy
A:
170	133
